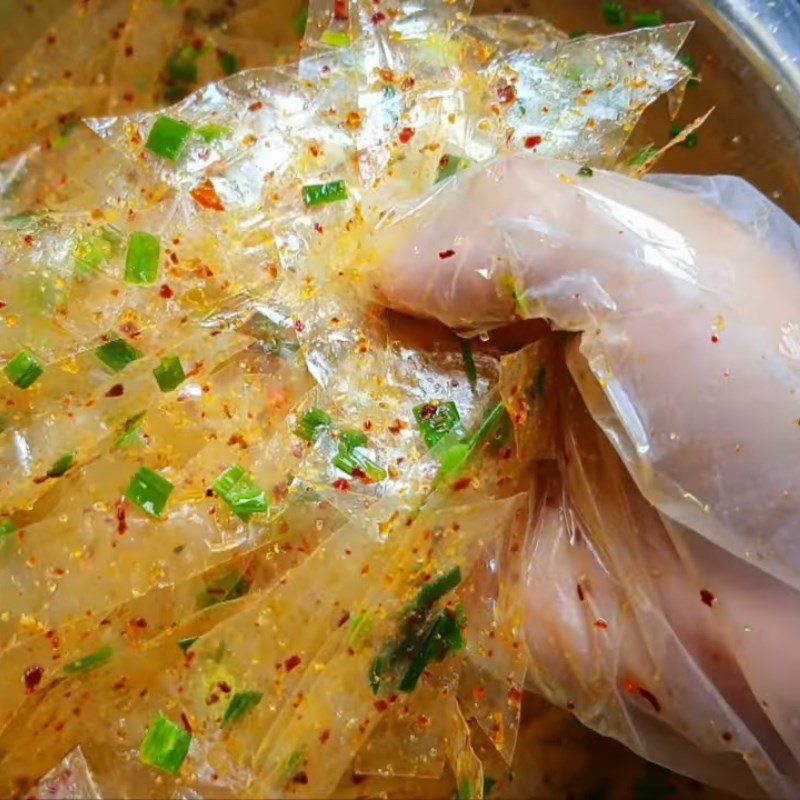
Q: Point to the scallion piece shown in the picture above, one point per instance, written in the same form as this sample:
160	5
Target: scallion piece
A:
182	65
168	137
7	527
237	488
448	166
376	671
211	133
336	38
586	172
186	643
352	439
91	252
691	62
647	19
691	141
614	13
90	662
641	158
117	354
354	462
444	637
457	455
228	587
351	460
165	746
469	362
150	491
240	704
62	466
23	370
437	589
131	432
301	20
313	424
19	222
436	419
228	62
169	373
141	262
466	790
577	34
318	194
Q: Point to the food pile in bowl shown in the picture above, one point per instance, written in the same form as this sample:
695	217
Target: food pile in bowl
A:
263	538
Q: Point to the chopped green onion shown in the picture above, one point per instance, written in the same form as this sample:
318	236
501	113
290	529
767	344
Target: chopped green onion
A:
131	432
614	13
62	466
690	142
141	262
228	587
437	589
19	222
469	362
61	140
353	461
168	137
436	419
169	373
7	527
448	166
586	172
336	38
90	662
641	158
457	455
691	62
210	133
444	637
186	643
117	354
150	491
647	19
488	784
182	66
165	746
237	488
577	34
353	439
239	705
318	194
313	424
301	21
92	251
360	628
228	62
376	671
466	790
23	370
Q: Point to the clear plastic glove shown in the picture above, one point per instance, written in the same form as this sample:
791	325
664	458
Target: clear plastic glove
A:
664	577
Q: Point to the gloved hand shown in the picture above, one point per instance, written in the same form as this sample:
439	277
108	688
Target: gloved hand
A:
664	566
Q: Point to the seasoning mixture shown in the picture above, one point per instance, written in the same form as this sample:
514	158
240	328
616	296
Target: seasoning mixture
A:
257	542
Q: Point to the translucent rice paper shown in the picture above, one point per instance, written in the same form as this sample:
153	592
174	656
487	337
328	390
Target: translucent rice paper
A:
664	579
110	617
